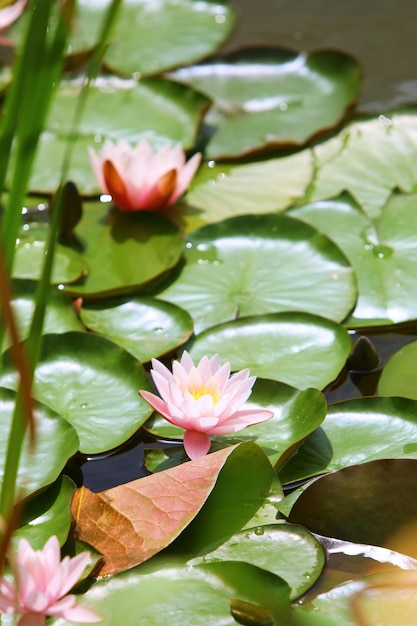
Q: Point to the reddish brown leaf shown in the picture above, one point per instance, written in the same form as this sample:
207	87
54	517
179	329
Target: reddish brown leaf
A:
130	523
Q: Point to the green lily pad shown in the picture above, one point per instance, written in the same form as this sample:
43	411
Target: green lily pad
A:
299	349
175	594
169	112
286	550
150	38
272	96
55	442
356	431
225	190
60	313
93	384
125	251
257	264
47	513
369	159
147	328
296	415
30	255
383	253
399	377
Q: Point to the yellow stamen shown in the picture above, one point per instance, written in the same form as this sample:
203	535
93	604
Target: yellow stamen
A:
203	390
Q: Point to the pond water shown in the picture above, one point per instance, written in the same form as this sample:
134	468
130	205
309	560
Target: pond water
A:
379	33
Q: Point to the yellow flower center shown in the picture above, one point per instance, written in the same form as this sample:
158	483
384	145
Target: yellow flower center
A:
203	390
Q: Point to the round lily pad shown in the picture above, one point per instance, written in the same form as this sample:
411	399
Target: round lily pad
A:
223	190
299	349
55	442
383	253
356	431
60	313
93	384
125	251
272	96
399	377
369	159
146	327
256	264
30	255
287	550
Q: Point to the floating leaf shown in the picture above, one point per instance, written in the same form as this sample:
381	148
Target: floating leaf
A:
91	382
145	327
225	190
367	503
299	349
272	96
288	551
30	256
47	513
250	265
130	523
60	313
175	594
383	253
399	376
168	112
55	442
125	251
369	159
356	431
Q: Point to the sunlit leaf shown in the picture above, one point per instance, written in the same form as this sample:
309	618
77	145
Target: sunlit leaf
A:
125	251
289	551
30	255
383	253
255	264
223	190
56	441
175	594
145	327
399	377
60	313
47	513
356	431
272	96
299	349
93	384
369	159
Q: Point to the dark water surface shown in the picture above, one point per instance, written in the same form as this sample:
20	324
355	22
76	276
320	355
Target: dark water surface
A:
380	34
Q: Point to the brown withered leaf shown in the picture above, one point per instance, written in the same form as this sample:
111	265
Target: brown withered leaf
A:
130	523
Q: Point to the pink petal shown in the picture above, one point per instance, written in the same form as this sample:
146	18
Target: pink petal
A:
72	568
185	176
9	14
240	420
159	405
196	444
82	614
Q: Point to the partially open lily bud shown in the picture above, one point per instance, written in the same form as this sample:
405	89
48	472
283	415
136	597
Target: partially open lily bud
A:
140	179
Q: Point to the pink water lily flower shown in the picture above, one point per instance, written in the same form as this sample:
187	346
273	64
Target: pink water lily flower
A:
42	581
9	14
139	179
204	400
